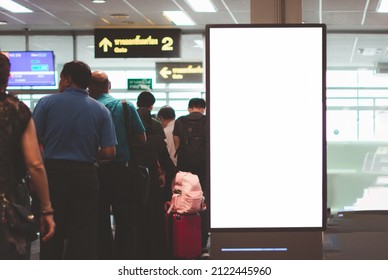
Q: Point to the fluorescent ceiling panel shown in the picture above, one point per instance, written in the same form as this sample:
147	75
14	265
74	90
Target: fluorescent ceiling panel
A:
382	7
179	17
14	7
204	6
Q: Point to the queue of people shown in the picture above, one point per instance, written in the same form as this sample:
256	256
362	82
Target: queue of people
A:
81	155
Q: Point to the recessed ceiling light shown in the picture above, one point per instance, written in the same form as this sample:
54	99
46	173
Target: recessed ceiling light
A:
3	22
204	6
382	7
178	17
99	1
14	7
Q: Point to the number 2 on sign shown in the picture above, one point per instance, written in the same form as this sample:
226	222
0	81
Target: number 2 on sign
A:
167	44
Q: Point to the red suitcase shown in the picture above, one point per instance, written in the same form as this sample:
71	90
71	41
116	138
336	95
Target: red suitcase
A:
184	236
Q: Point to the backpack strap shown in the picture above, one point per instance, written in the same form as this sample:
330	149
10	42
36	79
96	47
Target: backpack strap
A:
127	133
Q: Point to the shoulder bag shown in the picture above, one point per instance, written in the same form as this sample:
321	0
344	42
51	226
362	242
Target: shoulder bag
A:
16	214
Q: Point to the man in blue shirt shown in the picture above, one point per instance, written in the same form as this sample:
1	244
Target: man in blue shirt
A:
75	131
117	185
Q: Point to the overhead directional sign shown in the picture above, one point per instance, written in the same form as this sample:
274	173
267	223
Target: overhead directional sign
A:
185	72
121	43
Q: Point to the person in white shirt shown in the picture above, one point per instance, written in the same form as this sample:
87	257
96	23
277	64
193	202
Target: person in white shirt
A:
166	115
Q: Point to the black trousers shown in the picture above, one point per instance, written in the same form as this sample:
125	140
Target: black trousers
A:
117	196
74	193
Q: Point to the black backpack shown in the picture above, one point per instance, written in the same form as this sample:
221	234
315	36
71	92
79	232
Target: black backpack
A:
192	146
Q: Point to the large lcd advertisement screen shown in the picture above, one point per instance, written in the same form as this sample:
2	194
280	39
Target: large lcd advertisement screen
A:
266	110
31	68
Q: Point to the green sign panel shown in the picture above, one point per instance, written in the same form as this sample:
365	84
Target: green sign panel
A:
139	84
114	43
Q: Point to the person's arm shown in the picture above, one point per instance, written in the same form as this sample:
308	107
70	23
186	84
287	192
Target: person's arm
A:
108	141
35	167
140	139
176	133
107	153
176	142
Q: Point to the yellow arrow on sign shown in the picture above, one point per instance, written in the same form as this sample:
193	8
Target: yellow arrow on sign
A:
105	43
165	72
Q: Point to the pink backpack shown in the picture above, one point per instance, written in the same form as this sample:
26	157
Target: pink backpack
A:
187	195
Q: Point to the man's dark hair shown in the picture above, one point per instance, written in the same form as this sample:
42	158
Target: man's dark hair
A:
167	112
197	103
145	99
79	72
5	68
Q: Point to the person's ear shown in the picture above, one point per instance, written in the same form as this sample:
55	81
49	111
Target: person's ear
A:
67	81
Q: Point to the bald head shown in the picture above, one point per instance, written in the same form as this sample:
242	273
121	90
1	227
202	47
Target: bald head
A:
99	76
99	84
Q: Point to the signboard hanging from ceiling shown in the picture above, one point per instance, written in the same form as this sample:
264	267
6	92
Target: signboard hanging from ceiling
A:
125	43
182	72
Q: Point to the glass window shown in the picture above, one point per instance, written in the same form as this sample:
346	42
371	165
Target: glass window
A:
341	93
366	102
381	102
341	102
354	134
381	125
341	125
366	126
118	79
56	44
367	78
341	78
371	93
185	95
13	43
85	51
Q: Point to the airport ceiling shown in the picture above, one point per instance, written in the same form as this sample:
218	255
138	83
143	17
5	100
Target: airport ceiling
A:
357	34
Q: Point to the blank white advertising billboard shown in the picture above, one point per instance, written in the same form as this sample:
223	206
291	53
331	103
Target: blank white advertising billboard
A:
266	99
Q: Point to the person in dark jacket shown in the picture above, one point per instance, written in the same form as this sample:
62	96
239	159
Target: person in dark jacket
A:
190	136
155	156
